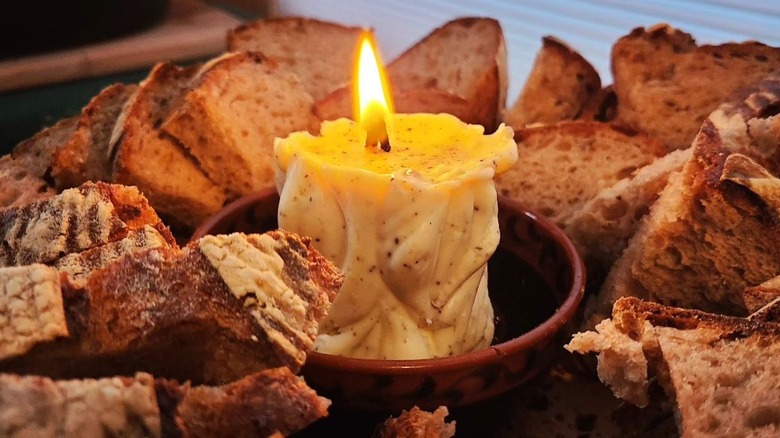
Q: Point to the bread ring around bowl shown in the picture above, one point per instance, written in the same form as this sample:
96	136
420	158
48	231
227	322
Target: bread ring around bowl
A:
536	283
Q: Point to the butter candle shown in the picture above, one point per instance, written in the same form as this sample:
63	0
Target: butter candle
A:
411	221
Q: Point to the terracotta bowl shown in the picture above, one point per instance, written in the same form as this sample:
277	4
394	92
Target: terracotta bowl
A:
536	282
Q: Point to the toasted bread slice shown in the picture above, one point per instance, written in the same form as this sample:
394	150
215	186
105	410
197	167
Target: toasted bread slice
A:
231	115
474	68
720	371
75	220
24	172
85	157
666	85
713	231
417	423
565	165
32	309
221	308
559	86
141	406
154	162
602	227
320	53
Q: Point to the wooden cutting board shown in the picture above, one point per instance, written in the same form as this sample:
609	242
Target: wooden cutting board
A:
191	29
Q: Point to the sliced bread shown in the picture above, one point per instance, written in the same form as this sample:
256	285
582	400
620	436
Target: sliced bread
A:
666	85
24	173
85	157
560	84
232	113
320	53
603	225
714	230
153	161
565	165
719	371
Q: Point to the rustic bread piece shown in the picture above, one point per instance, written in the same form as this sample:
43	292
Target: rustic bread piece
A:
85	157
474	68
31	308
666	85
560	84
602	227
720	371
230	117
714	230
260	404
24	172
320	53
416	423
567	164
223	307
79	266
76	220
273	401
145	157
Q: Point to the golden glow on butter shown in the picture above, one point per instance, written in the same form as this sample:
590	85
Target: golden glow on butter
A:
427	147
372	92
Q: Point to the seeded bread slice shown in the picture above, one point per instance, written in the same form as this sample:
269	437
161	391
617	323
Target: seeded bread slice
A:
141	406
666	85
567	164
230	117
714	230
24	172
221	308
147	158
720	371
85	157
560	84
602	227
320	53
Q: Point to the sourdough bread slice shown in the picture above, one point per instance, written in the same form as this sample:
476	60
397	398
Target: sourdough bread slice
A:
85	157
154	162
141	406
666	85
714	230
560	84
221	308
565	165
24	172
474	67
76	220
720	371
602	227
229	118
320	53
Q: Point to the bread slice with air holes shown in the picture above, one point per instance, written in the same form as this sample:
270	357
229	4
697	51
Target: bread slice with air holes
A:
666	85
719	371
470	82
714	229
560	84
565	165
320	53
154	162
86	156
24	173
232	113
260	404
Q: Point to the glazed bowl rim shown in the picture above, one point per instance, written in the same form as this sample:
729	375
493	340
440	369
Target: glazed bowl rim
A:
547	328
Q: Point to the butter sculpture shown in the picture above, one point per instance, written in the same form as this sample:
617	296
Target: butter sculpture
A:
411	223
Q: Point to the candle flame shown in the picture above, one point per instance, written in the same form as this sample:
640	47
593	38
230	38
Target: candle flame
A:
372	101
